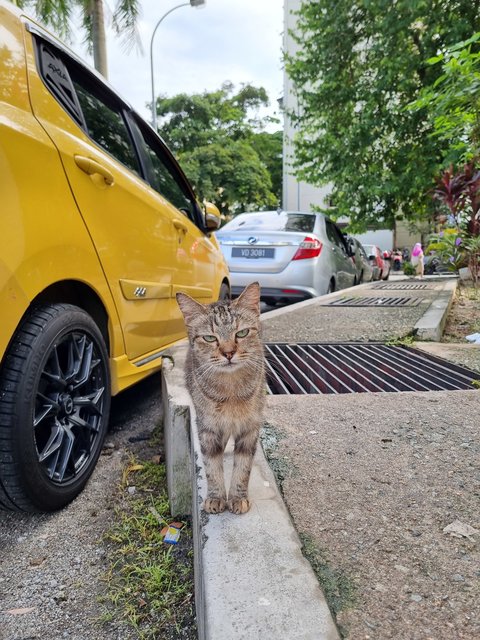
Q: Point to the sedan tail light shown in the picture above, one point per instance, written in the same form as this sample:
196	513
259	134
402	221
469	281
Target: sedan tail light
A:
308	248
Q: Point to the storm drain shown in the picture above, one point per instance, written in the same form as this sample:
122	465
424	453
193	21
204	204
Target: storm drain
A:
414	286
360	368
359	301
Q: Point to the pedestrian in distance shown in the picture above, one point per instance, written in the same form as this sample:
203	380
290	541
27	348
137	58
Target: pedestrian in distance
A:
417	259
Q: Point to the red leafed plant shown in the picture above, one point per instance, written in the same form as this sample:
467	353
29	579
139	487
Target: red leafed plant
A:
460	193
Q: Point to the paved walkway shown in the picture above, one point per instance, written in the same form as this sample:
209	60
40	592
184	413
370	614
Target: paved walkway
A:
370	480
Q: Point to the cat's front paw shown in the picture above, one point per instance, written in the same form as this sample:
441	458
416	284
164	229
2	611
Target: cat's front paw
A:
214	505
239	505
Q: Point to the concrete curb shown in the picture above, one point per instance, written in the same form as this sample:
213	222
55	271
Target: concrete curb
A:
251	579
432	323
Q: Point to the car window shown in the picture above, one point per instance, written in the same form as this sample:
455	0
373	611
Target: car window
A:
161	173
300	222
104	121
88	102
272	221
335	236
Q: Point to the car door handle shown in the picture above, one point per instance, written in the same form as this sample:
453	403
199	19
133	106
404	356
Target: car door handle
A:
180	226
91	167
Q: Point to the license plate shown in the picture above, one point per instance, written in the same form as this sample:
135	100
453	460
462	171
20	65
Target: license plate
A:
252	252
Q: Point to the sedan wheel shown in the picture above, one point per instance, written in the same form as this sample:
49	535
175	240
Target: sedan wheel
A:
55	402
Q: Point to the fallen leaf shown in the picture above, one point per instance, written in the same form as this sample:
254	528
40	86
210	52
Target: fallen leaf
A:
36	562
20	612
459	529
134	467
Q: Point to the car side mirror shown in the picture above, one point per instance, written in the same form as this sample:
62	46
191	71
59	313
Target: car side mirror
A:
213	217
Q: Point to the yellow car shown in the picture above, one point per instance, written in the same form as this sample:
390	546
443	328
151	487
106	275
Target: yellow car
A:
99	230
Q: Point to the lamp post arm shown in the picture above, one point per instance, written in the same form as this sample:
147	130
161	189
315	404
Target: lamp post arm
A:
154	109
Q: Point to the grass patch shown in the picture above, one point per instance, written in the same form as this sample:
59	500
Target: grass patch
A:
282	469
338	588
149	583
406	341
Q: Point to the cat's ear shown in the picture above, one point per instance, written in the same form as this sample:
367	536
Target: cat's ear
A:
249	298
189	307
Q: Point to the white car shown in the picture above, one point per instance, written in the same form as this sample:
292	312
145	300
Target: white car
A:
294	255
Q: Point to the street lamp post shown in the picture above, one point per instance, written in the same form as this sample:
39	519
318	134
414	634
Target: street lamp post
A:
191	3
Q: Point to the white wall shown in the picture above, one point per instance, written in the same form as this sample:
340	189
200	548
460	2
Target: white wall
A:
382	238
298	196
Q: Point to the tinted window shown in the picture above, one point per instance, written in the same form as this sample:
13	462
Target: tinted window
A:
335	235
272	221
104	121
362	250
88	102
161	173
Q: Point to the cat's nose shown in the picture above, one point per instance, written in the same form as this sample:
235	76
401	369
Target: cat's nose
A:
228	354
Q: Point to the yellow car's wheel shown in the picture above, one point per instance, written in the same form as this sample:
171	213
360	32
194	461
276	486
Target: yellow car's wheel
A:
54	408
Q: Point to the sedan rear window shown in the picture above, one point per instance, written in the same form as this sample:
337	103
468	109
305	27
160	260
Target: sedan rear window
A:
272	221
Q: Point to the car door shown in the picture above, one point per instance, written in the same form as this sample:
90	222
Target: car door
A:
195	254
133	228
345	269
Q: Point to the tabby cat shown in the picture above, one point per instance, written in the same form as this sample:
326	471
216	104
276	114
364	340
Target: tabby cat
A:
225	375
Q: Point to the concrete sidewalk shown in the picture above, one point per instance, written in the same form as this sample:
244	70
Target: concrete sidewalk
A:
251	578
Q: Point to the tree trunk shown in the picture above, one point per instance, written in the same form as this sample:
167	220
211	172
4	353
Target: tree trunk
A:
99	40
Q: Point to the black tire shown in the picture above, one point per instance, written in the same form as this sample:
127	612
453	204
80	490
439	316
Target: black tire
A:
224	293
331	286
54	408
360	280
387	276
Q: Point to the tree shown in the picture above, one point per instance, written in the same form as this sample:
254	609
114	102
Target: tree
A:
452	103
221	143
357	69
58	14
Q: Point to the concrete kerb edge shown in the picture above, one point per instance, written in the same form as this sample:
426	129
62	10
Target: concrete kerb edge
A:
251	578
431	325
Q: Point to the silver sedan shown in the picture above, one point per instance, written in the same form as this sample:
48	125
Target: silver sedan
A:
294	255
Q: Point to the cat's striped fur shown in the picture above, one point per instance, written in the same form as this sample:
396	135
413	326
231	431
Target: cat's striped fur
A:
225	375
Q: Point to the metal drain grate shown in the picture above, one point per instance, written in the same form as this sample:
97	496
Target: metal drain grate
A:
417	286
358	301
360	368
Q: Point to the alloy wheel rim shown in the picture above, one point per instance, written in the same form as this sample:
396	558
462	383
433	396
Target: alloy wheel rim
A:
69	407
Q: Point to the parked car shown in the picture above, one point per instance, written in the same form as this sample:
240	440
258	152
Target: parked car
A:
362	264
381	267
294	255
100	229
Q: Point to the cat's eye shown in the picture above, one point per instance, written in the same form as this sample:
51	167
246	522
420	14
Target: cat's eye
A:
242	333
209	338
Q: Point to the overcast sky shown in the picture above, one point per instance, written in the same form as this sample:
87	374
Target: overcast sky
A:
199	49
